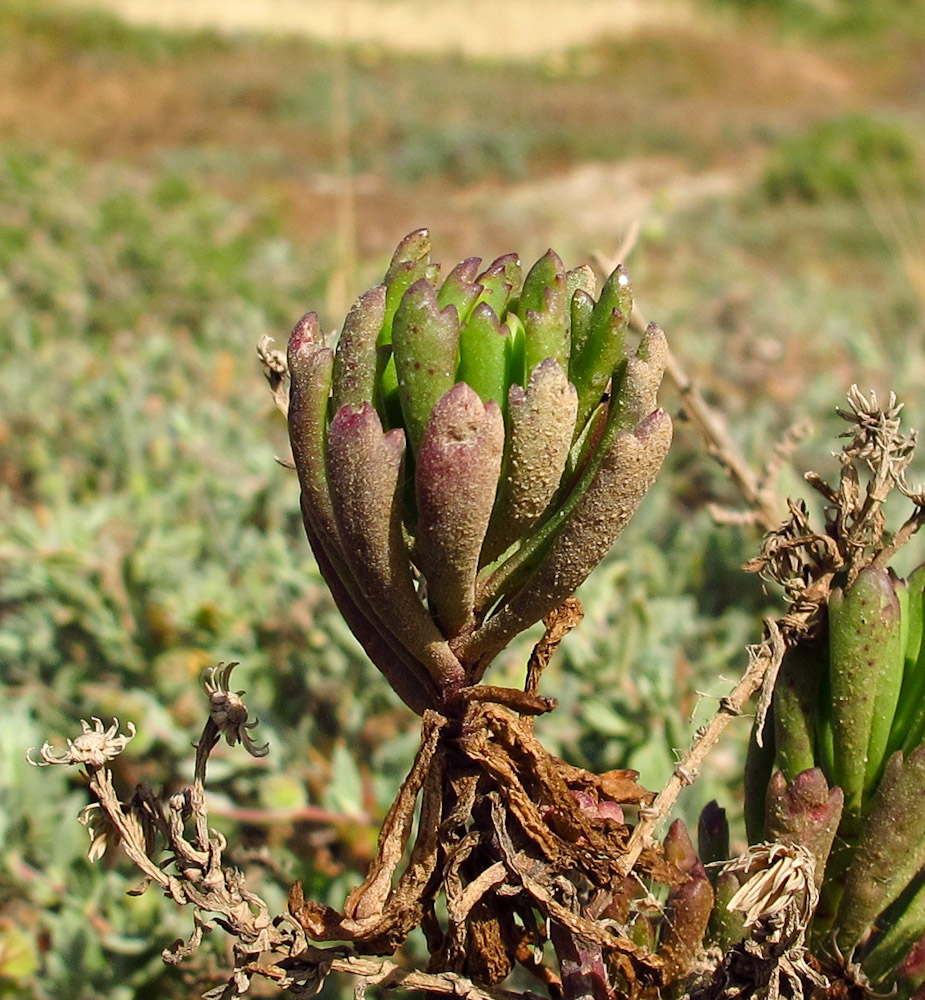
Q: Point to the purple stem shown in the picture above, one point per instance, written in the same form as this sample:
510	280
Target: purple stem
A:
580	965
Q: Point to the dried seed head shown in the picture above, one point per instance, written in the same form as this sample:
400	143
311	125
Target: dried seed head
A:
779	885
228	711
95	746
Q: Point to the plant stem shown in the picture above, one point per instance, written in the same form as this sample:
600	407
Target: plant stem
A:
581	966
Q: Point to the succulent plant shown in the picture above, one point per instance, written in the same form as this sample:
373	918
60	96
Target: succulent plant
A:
848	754
468	452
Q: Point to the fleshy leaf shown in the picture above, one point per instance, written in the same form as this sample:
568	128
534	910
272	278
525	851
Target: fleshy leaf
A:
909	721
458	464
796	706
460	289
891	848
541	419
627	469
679	848
484	350
544	310
311	367
759	766
688	908
581	277
713	834
804	812
405	674
425	342
900	952
594	360
364	470
500	281
560	554
726	927
410	263
865	660
581	309
355	358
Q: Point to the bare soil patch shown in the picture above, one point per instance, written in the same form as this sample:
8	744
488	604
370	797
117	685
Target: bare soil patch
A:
515	29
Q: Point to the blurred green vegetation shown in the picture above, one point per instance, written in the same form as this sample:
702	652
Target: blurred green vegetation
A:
167	199
841	157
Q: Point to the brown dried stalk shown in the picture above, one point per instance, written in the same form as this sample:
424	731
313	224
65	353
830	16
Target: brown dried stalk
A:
520	831
759	493
763	662
148	827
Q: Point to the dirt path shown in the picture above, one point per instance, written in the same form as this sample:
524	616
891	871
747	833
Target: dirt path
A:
512	29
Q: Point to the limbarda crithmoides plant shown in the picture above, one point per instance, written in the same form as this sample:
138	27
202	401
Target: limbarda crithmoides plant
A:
468	452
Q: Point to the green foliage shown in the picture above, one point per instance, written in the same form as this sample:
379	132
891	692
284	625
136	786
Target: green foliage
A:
842	158
464	152
144	529
132	319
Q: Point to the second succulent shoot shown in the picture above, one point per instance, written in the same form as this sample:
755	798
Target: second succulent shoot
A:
846	761
468	452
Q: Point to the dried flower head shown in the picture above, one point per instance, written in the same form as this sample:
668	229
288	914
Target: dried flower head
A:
779	887
94	747
276	371
228	711
804	558
875	434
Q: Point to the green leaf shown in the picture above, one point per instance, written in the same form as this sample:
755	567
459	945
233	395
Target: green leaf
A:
425	344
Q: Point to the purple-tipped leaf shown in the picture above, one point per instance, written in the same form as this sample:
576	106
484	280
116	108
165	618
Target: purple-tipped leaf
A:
581	277
364	470
544	309
626	471
644	375
425	345
406	675
413	249
912	971
713	834
804	812
356	356
688	908
680	850
499	281
636	395
891	849
460	288
310	369
410	263
458	464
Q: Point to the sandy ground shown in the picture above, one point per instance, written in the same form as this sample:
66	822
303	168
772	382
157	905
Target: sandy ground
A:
496	29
